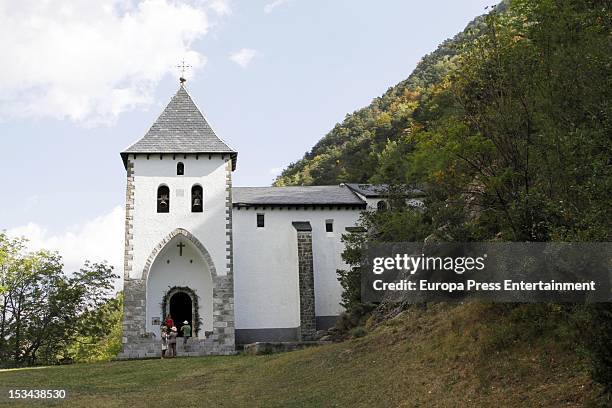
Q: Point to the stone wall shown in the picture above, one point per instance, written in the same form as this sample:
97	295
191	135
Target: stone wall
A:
224	333
306	281
229	234
129	220
138	344
133	309
133	289
223	314
151	348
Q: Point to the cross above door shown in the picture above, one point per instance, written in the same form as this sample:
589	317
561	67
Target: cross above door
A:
180	247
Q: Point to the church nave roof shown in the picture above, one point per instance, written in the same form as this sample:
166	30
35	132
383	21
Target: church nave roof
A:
295	195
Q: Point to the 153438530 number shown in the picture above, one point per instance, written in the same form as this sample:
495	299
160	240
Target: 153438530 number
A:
37	394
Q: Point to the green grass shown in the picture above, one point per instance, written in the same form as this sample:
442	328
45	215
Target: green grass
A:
445	356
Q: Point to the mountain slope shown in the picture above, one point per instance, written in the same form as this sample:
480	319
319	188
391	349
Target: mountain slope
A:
349	151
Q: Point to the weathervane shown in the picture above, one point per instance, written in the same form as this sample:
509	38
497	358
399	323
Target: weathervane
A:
183	67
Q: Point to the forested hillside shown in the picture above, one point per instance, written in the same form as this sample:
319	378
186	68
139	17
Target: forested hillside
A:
506	128
349	152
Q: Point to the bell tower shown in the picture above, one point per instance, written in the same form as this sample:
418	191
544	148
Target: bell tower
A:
178	233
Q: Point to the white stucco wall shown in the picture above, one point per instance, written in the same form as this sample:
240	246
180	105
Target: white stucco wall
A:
150	227
372	202
265	259
265	265
169	270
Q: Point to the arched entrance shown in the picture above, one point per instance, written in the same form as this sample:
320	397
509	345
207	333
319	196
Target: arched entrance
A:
181	309
180	263
182	303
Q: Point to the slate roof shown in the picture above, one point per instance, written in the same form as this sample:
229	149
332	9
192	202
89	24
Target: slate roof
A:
377	190
181	128
306	195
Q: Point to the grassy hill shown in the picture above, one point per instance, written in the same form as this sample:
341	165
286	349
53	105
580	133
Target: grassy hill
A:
446	356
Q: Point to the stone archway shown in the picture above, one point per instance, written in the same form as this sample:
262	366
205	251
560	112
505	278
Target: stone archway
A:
138	342
190	299
188	235
180	266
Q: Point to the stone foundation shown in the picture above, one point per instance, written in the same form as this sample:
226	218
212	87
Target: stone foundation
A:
151	348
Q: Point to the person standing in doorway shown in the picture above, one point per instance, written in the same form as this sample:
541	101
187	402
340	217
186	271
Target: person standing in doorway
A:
169	322
186	330
172	342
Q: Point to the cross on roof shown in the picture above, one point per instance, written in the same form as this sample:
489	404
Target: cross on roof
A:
183	67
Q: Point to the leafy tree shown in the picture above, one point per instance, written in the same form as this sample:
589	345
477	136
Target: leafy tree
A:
43	309
101	330
401	223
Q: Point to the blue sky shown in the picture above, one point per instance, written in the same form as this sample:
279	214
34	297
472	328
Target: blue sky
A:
81	82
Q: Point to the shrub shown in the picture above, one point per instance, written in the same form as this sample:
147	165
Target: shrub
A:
358	332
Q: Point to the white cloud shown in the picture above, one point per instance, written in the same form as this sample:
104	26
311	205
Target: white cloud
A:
97	240
244	56
31	202
276	171
221	7
274	4
89	61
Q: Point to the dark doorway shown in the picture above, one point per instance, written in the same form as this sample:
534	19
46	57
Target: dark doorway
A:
180	309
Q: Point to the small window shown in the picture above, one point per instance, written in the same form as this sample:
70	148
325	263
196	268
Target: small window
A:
180	169
329	225
163	199
197	199
381	206
260	221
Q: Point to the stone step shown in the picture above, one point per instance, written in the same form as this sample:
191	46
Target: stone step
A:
151	348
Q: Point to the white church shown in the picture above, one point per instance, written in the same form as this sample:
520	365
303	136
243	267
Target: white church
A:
241	264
